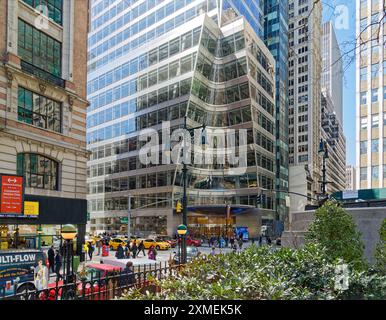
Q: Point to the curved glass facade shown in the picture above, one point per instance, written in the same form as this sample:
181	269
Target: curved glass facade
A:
218	76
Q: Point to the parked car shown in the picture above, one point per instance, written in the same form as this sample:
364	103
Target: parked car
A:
115	242
191	253
17	270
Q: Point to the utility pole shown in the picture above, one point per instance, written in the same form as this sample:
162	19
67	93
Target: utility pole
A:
128	218
184	197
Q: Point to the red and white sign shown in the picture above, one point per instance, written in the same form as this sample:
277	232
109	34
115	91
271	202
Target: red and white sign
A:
11	195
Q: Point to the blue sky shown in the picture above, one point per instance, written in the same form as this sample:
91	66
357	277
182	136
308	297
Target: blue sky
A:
343	36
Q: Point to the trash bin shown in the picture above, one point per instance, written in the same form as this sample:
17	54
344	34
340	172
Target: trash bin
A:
105	251
75	263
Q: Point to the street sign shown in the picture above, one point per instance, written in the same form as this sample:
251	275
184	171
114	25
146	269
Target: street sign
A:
11	195
31	208
350	194
124	220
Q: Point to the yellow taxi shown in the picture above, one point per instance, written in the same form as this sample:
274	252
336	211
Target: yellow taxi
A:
90	240
159	245
115	242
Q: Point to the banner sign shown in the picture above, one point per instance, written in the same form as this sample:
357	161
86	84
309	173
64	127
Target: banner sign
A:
11	195
31	208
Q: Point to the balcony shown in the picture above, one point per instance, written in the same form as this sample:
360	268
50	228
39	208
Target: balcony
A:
40	73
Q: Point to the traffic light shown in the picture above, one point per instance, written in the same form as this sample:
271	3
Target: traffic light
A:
260	199
178	207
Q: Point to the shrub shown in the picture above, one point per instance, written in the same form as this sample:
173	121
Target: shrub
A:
263	273
380	253
335	230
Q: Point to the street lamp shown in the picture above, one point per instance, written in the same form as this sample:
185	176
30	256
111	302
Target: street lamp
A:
39	232
68	234
185	178
323	150
182	230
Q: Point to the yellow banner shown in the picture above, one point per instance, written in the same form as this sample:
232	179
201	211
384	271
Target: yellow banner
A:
31	208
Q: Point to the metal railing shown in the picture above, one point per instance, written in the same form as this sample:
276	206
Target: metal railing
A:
36	71
101	288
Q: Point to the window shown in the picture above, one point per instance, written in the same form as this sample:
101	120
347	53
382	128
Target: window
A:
38	171
363	147
39	111
375	146
51	8
374	70
363	97
364	123
363	174
36	48
363	74
375	172
374	95
375	121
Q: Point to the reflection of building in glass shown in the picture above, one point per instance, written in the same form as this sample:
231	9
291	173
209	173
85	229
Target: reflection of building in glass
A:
218	76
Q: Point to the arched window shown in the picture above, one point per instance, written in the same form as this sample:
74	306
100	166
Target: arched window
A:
38	171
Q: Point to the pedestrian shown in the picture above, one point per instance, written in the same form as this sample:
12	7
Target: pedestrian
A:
127	252
269	241
240	243
134	249
141	248
85	248
90	250
58	265
253	241
127	277
51	258
234	247
99	245
260	240
213	251
150	253
232	241
155	252
120	254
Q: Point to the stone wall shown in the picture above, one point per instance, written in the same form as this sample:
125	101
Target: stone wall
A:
368	222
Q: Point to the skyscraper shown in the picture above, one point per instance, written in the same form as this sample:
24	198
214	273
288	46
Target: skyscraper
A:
332	69
276	39
370	95
332	109
153	62
304	95
43	117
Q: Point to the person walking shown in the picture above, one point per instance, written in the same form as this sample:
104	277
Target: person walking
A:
58	265
85	248
241	244
213	251
90	250
120	254
127	278
150	253
141	248
99	245
260	240
134	249
51	258
127	252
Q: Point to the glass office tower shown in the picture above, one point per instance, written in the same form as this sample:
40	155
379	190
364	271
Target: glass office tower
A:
276	39
152	63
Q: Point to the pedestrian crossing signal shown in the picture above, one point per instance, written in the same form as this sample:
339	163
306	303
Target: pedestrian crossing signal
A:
178	207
